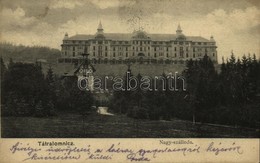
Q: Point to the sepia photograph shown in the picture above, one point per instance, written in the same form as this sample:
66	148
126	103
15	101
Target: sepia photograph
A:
130	81
130	69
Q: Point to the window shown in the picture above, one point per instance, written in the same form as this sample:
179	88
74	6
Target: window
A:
106	47
126	54
73	47
141	49
187	55
94	54
167	49
175	49
154	48
133	53
167	55
114	48
114	54
106	54
175	55
133	48
126	48
154	55
181	53
193	55
213	54
94	47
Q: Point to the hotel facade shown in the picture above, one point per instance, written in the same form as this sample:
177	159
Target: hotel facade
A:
136	47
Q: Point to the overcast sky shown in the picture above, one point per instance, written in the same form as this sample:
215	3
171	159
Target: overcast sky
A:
235	24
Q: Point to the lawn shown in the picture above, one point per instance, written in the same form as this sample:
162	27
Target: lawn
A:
73	125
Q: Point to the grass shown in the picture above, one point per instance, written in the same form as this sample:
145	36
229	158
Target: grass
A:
72	125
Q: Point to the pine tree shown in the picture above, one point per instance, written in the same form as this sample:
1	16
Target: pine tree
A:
3	68
39	110
51	87
3	72
50	76
10	62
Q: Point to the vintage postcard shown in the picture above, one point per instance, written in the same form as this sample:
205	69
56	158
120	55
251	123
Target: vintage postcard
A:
159	81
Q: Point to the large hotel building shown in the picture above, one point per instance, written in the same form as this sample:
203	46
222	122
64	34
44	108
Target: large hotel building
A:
136	47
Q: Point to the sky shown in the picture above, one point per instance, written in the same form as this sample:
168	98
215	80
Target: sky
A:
235	24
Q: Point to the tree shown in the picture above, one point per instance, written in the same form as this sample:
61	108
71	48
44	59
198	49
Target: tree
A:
50	76
11	62
3	71
70	97
27	82
122	101
202	86
52	99
3	68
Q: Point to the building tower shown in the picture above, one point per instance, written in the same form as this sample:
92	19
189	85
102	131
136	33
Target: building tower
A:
179	31
66	36
100	29
179	35
212	39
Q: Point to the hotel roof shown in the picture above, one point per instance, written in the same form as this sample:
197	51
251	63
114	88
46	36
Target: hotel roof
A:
129	36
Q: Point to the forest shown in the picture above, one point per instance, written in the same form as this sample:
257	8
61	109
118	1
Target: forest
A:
230	97
22	53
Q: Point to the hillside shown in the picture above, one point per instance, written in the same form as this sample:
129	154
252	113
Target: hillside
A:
120	69
21	53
